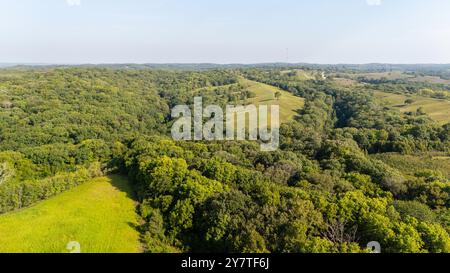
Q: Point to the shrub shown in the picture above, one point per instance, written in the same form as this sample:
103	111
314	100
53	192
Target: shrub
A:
21	194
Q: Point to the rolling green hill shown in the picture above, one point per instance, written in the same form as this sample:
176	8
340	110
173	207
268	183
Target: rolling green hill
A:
341	165
413	164
100	215
437	109
265	95
303	75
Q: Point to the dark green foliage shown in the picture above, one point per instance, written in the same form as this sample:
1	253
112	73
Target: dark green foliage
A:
15	195
348	170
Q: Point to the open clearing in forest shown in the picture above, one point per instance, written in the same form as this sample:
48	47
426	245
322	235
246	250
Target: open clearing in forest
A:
99	214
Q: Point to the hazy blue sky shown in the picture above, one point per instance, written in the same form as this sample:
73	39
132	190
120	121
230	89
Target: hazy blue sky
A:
225	31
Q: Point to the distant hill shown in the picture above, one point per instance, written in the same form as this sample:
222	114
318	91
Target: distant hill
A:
207	66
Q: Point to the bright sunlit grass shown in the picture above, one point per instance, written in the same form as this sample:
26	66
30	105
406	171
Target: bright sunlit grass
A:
437	109
100	215
265	95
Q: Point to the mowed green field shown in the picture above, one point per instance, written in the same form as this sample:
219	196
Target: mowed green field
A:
437	109
265	95
100	215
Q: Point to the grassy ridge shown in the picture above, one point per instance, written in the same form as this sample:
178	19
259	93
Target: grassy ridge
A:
398	75
413	164
265	95
437	109
100	215
303	75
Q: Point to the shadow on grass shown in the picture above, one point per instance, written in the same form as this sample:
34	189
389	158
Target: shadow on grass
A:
266	100
400	105
122	183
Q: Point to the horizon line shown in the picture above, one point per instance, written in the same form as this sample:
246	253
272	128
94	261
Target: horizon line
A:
204	63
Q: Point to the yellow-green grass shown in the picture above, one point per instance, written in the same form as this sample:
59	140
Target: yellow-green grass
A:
412	164
392	75
442	158
347	82
100	215
437	109
399	75
430	79
303	75
265	95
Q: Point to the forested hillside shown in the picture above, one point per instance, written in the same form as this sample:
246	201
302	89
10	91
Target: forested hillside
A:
351	168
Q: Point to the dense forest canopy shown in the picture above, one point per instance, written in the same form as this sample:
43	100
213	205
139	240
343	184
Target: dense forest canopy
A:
349	170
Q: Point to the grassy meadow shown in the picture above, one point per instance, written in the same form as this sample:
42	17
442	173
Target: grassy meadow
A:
100	215
303	75
398	75
413	164
437	109
265	95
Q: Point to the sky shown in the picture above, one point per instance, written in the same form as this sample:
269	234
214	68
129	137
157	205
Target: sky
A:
224	31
